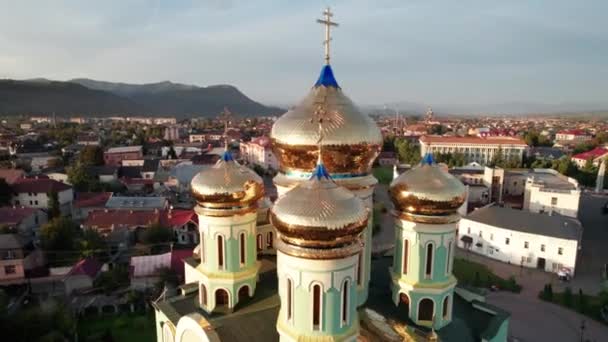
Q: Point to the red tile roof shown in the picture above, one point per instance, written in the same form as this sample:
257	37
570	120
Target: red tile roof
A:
177	260
13	216
593	154
39	185
178	218
91	199
139	218
471	140
88	266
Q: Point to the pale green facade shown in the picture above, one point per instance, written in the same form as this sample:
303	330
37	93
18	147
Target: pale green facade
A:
424	288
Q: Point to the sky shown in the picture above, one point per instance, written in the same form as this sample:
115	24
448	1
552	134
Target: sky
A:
431	52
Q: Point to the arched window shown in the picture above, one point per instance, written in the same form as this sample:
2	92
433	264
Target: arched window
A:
406	254
345	302
259	242
289	299
426	310
429	261
269	239
242	248
316	307
203	295
448	265
359	266
220	251
446	306
221	297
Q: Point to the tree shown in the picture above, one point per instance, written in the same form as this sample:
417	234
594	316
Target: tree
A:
407	152
91	243
5	192
91	156
81	179
54	207
157	233
582	301
568	297
58	240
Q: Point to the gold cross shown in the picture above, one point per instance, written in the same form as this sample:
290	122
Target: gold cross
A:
225	116
328	24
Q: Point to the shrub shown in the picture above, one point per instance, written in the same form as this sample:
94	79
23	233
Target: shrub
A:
568	297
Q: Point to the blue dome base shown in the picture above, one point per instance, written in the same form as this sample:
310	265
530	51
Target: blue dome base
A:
326	78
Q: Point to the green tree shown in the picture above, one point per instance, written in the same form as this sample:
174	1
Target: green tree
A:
54	206
582	301
568	297
157	233
58	240
81	179
91	243
91	156
5	192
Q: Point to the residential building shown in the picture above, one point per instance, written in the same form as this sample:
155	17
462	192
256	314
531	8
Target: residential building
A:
573	136
548	191
595	155
25	221
11	175
259	152
16	258
520	237
387	158
475	149
88	139
115	155
35	193
82	275
85	202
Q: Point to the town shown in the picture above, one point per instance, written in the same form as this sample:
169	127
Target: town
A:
98	212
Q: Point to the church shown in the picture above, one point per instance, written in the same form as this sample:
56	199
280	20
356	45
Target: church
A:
320	283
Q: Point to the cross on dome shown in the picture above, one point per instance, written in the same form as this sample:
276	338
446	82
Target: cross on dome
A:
328	24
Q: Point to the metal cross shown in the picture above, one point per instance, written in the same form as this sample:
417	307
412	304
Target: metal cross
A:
328	24
225	116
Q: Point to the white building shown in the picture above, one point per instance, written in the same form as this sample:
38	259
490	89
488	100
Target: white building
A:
474	149
34	193
573	135
547	191
547	242
258	151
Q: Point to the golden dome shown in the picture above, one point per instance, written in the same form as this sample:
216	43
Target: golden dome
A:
227	185
319	214
351	139
427	190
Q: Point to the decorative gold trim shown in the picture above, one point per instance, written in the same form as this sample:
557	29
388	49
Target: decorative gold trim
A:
225	212
452	218
319	253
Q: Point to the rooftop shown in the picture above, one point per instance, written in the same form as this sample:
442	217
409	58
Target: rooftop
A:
39	185
13	216
555	225
91	199
124	149
551	180
436	139
125	202
593	154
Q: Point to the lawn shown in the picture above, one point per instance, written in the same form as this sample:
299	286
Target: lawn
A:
384	174
587	305
478	275
122	327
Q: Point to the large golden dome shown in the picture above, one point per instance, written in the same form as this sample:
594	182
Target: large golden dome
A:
227	185
351	139
318	213
427	190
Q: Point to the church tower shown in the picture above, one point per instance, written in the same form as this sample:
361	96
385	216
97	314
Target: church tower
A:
319	225
226	267
426	200
351	144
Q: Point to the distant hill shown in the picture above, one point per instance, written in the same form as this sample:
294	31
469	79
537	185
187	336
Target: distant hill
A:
45	97
184	100
90	97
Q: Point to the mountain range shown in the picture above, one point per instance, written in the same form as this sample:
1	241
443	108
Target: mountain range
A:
98	98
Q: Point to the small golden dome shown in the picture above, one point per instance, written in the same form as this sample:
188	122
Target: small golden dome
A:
427	190
319	214
351	139
227	185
